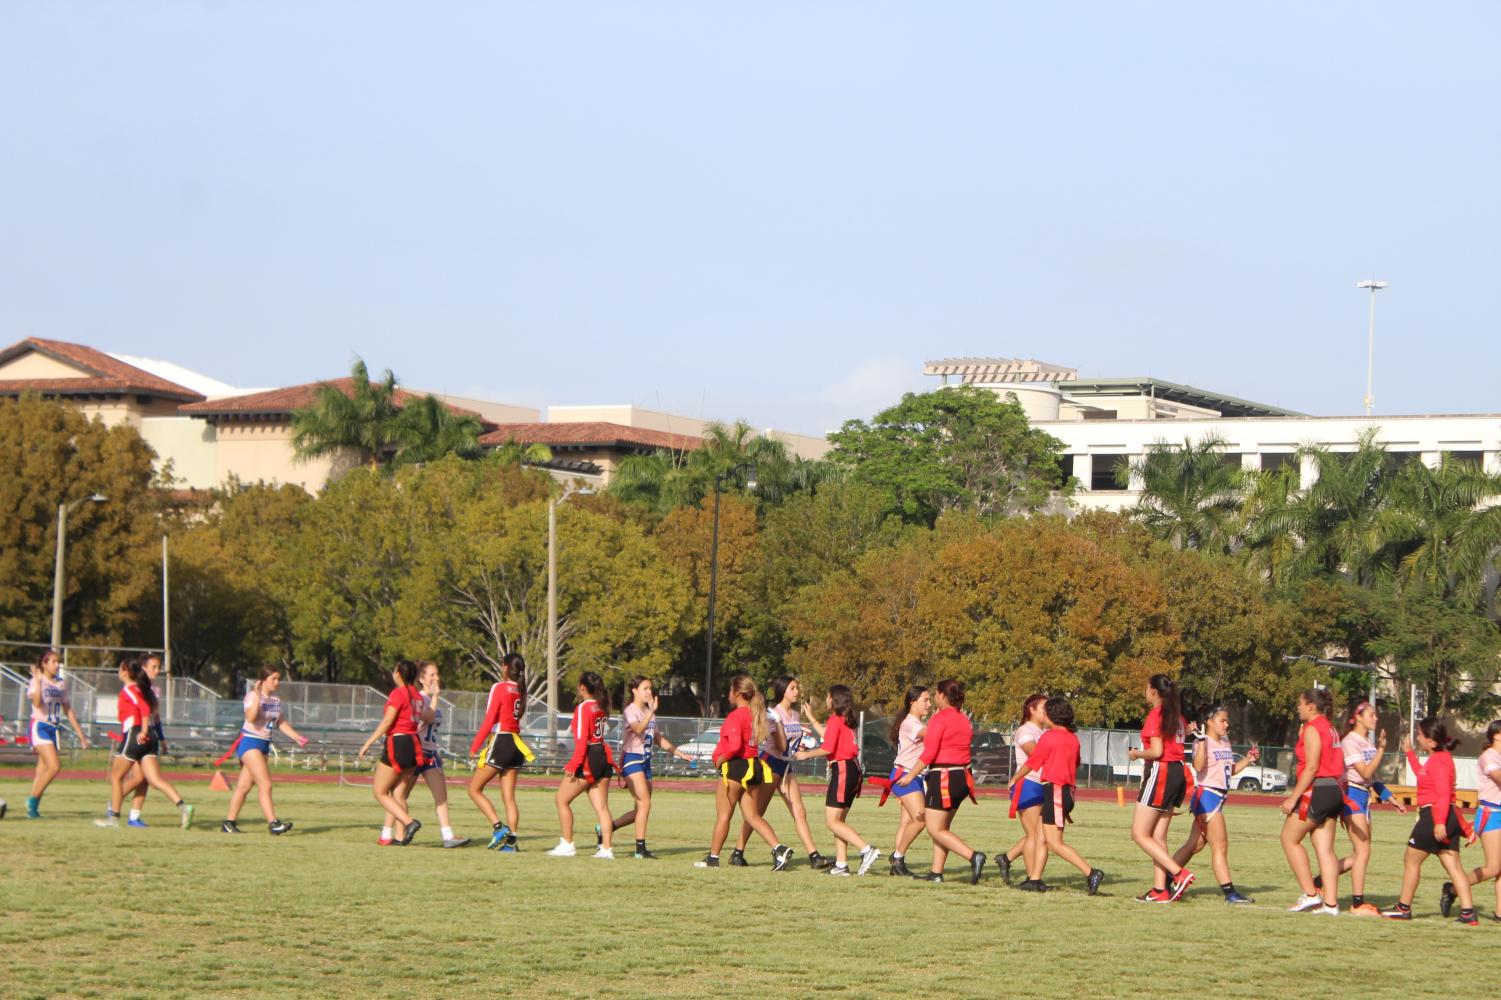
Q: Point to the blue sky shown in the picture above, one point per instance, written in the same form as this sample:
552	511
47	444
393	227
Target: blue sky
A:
768	210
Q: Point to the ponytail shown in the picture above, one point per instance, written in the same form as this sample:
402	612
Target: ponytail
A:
1355	710
513	668
952	691
1321	699
914	692
742	685
141	681
595	685
1172	705
842	704
407	671
1434	728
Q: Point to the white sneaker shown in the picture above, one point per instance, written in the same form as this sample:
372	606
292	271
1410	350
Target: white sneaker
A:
605	853
1306	903
107	822
1327	911
565	849
868	857
840	871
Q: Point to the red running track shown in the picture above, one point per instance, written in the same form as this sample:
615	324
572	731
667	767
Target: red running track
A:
666	784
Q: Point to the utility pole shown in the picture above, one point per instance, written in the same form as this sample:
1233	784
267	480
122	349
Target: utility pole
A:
1370	343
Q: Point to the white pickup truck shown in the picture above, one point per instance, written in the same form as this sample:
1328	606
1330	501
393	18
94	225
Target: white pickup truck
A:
1255	777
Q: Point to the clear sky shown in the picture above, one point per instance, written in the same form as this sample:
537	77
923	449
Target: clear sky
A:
768	210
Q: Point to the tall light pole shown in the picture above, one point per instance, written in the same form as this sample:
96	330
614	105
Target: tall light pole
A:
719	481
552	609
1370	342
57	576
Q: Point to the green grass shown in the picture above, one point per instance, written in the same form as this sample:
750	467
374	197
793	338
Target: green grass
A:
324	912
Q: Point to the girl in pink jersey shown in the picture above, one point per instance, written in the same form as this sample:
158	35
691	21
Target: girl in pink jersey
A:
1215	764
907	733
1362	758
1024	741
49	705
1487	822
638	736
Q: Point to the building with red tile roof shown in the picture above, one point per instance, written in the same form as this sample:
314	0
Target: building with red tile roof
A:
90	379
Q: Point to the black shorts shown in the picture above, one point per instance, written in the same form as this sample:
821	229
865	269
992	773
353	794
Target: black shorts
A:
504	753
1323	802
400	752
134	749
1050	801
745	773
596	765
946	788
1164	785
844	784
1422	832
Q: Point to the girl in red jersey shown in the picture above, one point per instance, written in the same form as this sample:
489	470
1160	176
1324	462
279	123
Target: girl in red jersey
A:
136	710
944	767
741	769
1487	821
505	752
784	739
845	778
49	704
907	734
401	752
1056	758
429	681
1164	783
589	769
1034	720
1439	826
1314	805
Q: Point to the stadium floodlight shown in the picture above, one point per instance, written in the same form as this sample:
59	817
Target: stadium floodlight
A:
1370	344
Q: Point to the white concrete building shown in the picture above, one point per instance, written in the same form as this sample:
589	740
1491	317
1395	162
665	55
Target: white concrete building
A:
1102	421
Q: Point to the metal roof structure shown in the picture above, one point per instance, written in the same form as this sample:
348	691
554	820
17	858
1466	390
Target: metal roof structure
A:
1173	392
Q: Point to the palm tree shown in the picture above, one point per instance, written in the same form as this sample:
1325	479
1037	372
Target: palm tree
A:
1432	530
1191	495
363	420
513	452
427	429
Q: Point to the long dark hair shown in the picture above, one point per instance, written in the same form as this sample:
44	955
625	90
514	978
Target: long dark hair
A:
1172	705
595	685
513	666
407	671
1061	714
1355	710
1321	699
138	677
1032	699
633	684
952	691
914	692
842	704
1490	733
778	689
1434	728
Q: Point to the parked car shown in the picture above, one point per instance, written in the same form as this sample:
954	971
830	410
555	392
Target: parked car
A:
701	747
1256	778
990	758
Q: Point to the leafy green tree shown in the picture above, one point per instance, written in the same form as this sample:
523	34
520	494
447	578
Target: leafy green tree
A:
1191	495
1442	646
426	429
1437	529
54	455
959	449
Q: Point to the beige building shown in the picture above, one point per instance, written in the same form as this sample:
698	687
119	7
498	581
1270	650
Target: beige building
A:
98	384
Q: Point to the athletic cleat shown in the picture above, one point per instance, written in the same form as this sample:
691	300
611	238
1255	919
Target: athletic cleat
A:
1327	911
563	850
511	846
1092	883
709	861
411	832
452	842
868	857
1236	899
498	837
230	826
1365	910
1446	898
33	804
1032	885
1306	904
1155	896
976	866
279	827
1004	864
187	815
1180	883
929	877
1467	918
737	859
136	824
840	871
1398	913
604	853
899	867
780	856
3	808
385	842
107	823
644	855
819	863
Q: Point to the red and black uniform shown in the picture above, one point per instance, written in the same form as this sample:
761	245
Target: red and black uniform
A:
946	748
1324	800
502	727
1166	780
403	750
591	760
134	713
1056	758
1435	804
844	766
737	754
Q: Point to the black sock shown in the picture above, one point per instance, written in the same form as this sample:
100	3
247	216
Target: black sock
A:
1357	900
1228	888
1403	906
640	845
498	825
713	857
1467	911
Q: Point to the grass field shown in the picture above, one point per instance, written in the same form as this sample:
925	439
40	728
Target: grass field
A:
324	912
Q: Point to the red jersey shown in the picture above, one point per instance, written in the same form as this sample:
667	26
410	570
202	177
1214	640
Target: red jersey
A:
737	737
1331	751
839	740
408	704
1172	745
502	713
1435	782
948	738
131	708
587	729
1056	757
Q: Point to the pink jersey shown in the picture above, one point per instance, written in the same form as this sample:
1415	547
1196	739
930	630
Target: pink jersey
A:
1027	732
267	715
1219	764
1358	750
1490	763
632	741
909	743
